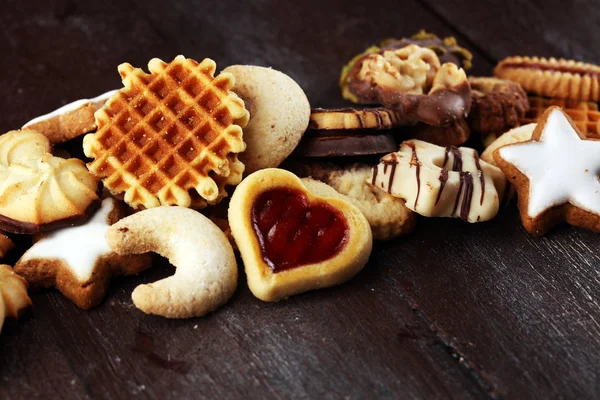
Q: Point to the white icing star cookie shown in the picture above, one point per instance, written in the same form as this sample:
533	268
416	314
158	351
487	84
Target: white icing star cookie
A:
78	261
556	173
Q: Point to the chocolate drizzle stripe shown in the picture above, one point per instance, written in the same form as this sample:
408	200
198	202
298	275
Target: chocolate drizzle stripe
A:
414	160
481	178
392	163
379	118
457	165
446	150
465	206
460	189
390	181
375	170
443	179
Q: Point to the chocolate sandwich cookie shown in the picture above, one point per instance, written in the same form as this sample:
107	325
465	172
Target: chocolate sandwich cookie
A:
342	132
341	144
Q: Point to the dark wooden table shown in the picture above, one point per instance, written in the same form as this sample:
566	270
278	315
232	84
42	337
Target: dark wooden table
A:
452	311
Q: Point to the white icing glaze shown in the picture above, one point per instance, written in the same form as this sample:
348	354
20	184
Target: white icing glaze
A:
561	167
79	247
67	108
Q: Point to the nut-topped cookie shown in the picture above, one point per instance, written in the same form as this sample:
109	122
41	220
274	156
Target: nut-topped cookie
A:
411	81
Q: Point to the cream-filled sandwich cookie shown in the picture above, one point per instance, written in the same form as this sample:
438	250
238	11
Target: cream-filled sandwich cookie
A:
440	181
78	261
556	174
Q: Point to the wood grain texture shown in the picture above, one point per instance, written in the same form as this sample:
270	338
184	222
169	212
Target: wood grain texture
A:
452	311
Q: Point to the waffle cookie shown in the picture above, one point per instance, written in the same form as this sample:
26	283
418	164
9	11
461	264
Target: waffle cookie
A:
168	134
584	114
565	79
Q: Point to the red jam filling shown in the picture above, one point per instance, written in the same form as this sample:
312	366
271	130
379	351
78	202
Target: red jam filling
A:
292	232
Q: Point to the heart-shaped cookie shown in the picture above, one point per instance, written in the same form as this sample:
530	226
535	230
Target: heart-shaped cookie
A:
292	241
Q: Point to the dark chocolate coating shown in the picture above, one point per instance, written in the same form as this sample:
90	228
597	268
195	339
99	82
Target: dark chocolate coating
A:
440	108
346	145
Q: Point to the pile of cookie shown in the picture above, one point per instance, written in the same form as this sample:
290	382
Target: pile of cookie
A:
196	167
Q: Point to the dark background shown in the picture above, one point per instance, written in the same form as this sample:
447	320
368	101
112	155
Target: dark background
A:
452	311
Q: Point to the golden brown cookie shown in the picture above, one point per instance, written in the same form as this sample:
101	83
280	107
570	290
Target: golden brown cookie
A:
6	245
555	174
77	260
13	294
40	192
497	104
387	215
565	79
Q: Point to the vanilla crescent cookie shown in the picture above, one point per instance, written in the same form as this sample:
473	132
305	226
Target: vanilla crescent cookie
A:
77	260
40	192
441	182
388	215
292	240
206	270
556	174
279	114
13	294
69	121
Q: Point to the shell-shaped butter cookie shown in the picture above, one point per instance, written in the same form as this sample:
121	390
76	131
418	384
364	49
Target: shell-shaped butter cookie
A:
38	191
13	294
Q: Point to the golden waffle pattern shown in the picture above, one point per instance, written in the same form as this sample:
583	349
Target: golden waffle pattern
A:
583	113
165	133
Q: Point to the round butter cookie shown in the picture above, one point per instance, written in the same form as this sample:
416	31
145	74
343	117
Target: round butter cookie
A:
279	114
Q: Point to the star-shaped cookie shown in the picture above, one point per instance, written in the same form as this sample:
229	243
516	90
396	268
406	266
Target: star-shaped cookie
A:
556	173
77	260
